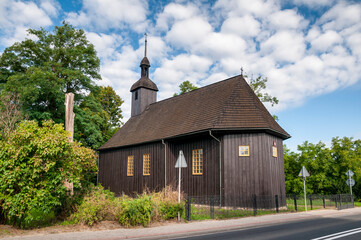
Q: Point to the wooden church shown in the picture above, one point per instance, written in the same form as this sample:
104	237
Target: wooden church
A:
232	144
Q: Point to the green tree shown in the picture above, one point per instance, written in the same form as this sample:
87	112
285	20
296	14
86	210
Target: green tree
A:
327	166
185	87
99	117
34	164
258	85
41	71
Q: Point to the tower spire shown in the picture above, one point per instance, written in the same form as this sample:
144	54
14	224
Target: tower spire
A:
145	45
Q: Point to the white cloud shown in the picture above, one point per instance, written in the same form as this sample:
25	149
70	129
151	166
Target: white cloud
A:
313	3
175	12
326	41
109	14
51	7
341	16
284	46
105	44
18	16
188	32
246	26
287	19
15	13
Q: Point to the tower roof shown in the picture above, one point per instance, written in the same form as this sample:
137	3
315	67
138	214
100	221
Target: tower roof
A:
228	105
144	82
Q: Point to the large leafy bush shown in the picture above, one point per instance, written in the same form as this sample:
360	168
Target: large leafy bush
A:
35	161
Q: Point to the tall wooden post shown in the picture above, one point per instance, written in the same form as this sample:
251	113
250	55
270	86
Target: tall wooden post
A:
69	126
69	114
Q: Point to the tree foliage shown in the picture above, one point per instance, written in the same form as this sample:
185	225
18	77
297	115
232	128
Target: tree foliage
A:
327	167
34	163
10	113
41	71
259	85
185	87
99	117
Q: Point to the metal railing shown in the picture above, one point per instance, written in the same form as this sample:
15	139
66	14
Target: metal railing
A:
213	207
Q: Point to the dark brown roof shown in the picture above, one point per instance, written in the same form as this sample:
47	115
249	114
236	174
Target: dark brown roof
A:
144	82
226	105
145	61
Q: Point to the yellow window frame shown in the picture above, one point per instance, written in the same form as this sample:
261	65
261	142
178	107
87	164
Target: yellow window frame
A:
130	166
146	164
197	162
274	151
243	151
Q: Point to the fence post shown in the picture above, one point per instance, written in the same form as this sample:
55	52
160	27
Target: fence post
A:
189	205
340	206
323	199
211	205
254	204
311	201
276	201
295	199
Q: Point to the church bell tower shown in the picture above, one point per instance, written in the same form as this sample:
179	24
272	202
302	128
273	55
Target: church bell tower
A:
144	91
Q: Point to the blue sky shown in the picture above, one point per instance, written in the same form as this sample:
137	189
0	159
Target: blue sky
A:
309	50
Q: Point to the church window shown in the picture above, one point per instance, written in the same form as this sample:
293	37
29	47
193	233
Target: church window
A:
274	151
243	151
146	164
197	161
130	166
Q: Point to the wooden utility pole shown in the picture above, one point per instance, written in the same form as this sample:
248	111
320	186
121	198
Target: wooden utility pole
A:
69	126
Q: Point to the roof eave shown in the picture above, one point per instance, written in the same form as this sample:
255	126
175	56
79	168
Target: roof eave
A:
267	130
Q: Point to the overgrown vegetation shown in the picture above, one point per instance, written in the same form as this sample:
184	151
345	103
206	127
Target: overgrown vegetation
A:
101	205
35	161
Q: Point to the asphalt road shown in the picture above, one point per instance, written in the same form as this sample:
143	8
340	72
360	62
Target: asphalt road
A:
346	228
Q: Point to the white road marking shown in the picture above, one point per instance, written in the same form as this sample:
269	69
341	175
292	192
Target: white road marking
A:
339	235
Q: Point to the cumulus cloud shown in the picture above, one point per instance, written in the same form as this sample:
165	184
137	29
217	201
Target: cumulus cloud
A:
110	14
18	16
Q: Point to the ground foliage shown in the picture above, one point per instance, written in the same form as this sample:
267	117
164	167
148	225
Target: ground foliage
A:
99	205
326	165
34	164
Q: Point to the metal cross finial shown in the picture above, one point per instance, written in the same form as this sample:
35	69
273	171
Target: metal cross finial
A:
241	71
145	48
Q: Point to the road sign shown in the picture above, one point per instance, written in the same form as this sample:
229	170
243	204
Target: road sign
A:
349	173
350	182
304	173
181	161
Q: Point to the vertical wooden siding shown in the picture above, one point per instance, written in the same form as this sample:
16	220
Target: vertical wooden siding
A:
195	185
113	169
260	173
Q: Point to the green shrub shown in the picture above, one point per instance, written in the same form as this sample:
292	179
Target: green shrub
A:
170	210
34	163
97	206
137	211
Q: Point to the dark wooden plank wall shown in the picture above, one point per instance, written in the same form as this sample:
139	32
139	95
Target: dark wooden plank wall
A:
113	169
260	173
195	185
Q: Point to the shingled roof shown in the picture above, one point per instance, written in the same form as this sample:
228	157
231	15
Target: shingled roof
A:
226	105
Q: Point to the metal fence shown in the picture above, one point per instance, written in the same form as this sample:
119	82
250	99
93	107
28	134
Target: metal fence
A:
213	207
